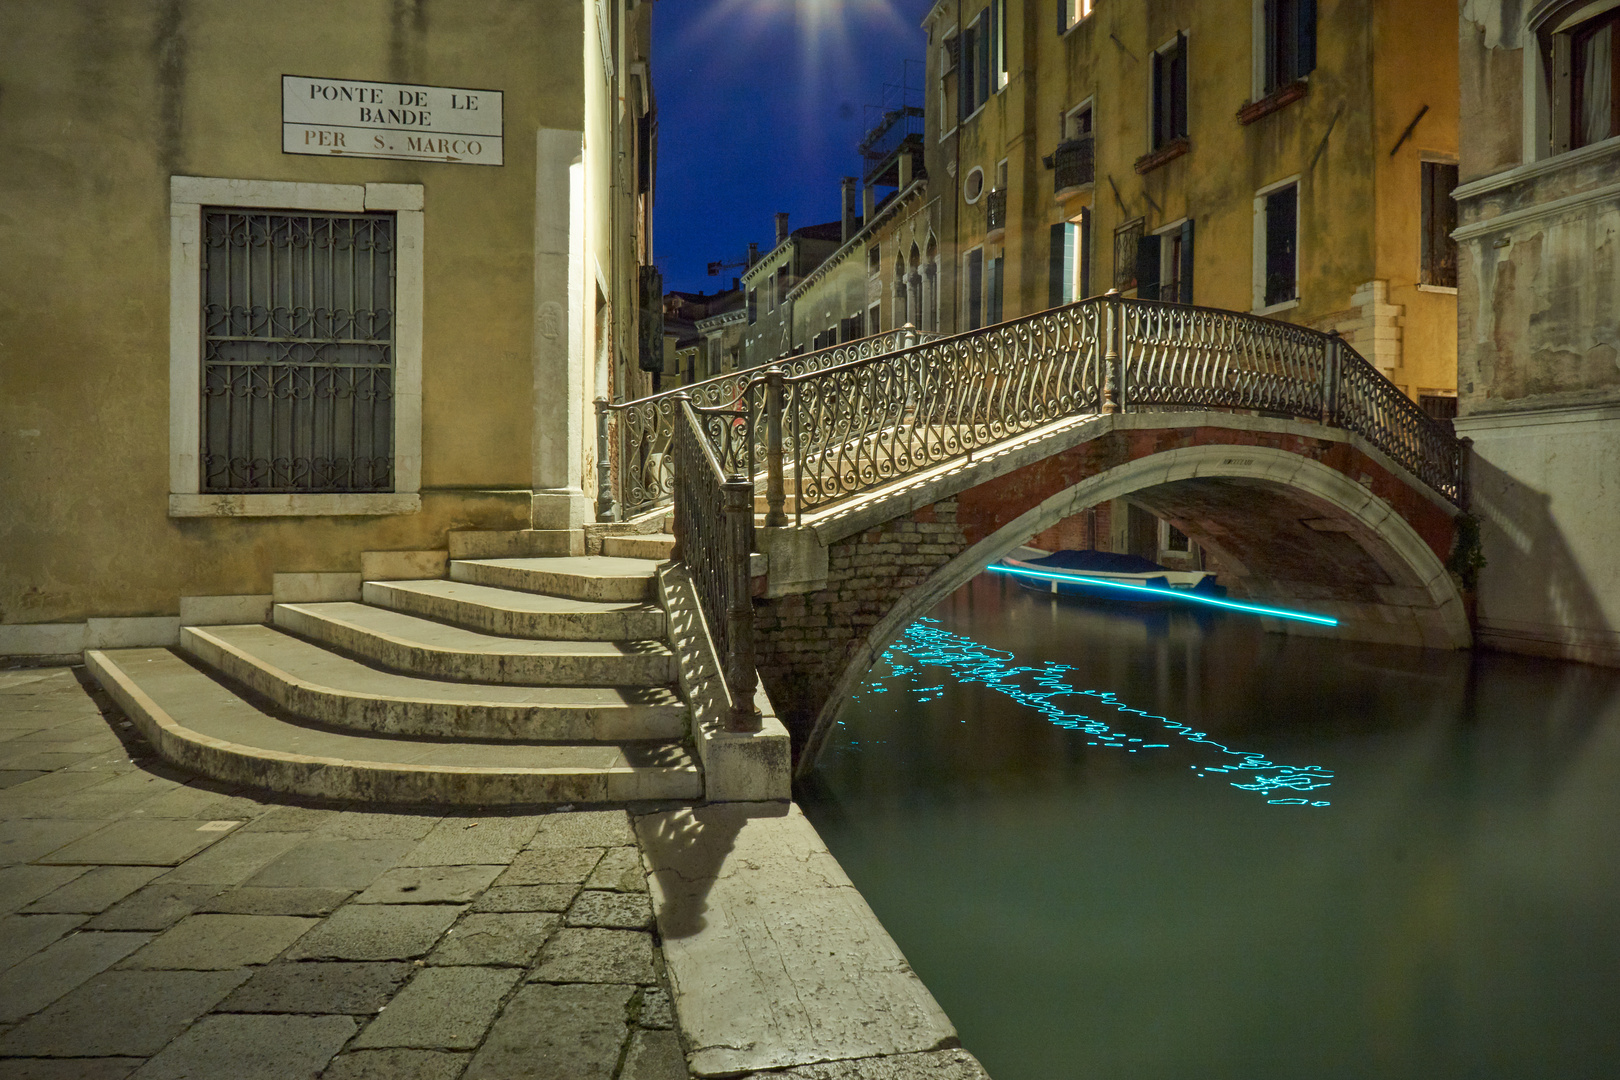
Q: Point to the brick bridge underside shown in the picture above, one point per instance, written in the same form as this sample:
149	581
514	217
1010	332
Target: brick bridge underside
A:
1289	513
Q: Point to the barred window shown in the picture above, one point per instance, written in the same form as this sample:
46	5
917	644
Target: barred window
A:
298	351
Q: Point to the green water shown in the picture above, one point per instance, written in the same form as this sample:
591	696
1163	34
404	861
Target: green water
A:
1083	905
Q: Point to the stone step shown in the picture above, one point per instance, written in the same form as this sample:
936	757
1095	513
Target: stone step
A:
510	613
200	725
433	650
656	546
601	578
311	682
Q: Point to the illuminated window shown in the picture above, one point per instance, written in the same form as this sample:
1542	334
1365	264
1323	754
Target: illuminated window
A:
1439	219
1070	12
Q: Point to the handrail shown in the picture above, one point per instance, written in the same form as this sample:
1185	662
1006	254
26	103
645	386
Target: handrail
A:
634	470
714	538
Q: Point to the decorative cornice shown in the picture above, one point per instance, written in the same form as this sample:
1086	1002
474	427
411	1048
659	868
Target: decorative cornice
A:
725	318
878	219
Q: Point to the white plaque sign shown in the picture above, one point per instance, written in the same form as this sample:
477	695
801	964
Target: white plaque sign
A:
351	118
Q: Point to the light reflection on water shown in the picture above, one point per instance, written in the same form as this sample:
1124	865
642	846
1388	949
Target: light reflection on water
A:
969	661
1081	910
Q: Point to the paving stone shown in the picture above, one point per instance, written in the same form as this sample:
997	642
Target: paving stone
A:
27	755
13	777
657	1011
96	890
526	898
584	828
26	799
930	1065
131	1013
234	859
568	866
221	942
355	825
429	885
396	1064
511	938
332	864
619	870
140	843
623	911
443	1008
156	907
90	805
22	885
115	1068
655	1055
202	799
597	956
461	841
298	819
26	840
251	1048
252	900
555	1033
377	932
23	935
319	987
34	983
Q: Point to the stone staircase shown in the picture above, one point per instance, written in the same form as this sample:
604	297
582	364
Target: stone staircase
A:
514	681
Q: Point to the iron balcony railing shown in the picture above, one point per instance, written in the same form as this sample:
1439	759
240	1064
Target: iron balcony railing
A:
995	210
1074	163
635	472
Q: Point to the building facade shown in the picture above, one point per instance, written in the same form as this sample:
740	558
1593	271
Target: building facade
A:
1539	319
280	308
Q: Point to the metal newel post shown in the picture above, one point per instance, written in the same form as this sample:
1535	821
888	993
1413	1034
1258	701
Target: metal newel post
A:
678	479
775	488
604	464
1112	330
741	676
909	336
1332	365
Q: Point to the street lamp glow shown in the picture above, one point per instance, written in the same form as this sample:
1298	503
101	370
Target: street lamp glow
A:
1176	594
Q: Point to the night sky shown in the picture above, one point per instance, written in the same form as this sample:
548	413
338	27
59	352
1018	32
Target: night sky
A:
761	104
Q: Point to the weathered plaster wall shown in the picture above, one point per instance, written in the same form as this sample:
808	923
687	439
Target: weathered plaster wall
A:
101	105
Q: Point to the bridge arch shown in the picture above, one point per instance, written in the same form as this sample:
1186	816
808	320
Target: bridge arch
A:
1268	514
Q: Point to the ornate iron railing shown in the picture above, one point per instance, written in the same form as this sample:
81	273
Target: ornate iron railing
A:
862	424
714	537
634	469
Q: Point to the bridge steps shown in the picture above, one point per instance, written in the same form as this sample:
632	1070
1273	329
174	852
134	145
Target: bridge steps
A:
599	578
459	692
657	546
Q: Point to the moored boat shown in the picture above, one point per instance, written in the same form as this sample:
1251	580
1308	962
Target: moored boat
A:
1104	575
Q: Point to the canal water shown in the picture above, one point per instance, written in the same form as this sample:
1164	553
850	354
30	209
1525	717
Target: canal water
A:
1139	846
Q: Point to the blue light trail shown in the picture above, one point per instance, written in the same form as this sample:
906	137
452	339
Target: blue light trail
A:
971	662
1177	594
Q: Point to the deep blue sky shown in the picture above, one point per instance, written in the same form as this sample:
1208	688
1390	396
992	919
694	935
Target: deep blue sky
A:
760	106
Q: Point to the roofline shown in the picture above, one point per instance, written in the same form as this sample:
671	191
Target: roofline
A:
709	322
917	187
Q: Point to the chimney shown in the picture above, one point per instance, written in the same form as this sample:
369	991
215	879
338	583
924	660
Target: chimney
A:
781	227
753	253
846	202
736	283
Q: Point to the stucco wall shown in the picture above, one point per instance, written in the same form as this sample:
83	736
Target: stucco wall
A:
101	105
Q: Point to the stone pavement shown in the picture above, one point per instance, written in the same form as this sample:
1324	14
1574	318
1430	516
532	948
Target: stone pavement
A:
157	926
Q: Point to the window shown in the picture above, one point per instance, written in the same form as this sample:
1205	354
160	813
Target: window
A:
1170	93
1070	12
1595	80
1577	96
998	45
1069	277
974	274
873	265
295	348
992	291
1127	239
1173	540
1164	265
1287	42
874	319
753	306
973	76
1277	246
1076	122
1439	219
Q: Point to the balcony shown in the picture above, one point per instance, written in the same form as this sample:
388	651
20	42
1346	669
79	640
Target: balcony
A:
899	132
1074	164
995	212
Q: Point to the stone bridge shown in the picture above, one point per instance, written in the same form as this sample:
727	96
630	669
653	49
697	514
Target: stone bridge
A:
1306	475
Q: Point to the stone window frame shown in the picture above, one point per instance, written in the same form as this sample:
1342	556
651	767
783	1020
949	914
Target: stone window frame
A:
187	197
1259	266
1548	72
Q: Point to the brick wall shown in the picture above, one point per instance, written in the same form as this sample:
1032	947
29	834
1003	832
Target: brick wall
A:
804	642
